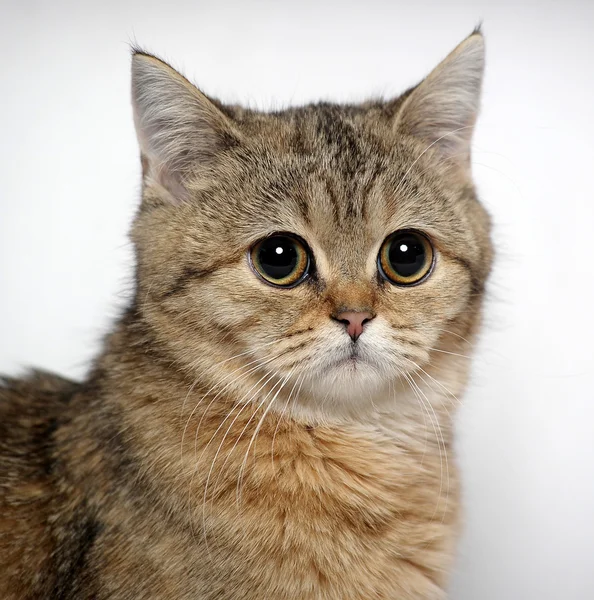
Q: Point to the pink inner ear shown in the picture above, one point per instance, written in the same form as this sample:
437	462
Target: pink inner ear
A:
170	182
177	126
443	108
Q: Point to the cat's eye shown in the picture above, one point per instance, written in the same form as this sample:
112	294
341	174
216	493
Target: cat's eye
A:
406	257
281	260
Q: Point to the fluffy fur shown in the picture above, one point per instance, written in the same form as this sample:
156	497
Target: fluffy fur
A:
220	446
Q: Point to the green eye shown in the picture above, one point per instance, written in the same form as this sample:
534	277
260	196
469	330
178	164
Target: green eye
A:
280	260
406	257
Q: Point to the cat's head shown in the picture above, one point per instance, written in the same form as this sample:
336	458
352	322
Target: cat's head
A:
329	249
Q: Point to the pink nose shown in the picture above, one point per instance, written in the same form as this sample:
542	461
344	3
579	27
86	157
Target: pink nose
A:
354	321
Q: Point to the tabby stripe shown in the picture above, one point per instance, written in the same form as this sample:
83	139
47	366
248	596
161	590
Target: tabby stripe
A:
181	282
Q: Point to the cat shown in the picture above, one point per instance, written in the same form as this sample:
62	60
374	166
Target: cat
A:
271	417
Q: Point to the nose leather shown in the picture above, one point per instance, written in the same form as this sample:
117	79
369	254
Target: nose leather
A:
354	321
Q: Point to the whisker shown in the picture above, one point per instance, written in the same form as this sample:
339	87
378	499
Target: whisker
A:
299	378
440	442
259	365
266	375
256	431
219	364
424	411
427	149
445	389
245	405
455	334
248	372
451	353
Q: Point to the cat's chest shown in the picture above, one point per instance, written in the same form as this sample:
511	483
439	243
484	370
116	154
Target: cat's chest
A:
300	513
304	480
349	510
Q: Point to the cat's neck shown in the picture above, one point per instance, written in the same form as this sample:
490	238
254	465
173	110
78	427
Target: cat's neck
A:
194	440
158	395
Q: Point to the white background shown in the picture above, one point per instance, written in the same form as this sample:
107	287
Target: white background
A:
69	184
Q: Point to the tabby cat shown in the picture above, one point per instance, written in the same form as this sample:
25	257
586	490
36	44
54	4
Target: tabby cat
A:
271	417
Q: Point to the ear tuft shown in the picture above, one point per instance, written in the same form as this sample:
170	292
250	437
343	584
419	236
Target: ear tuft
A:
443	108
179	128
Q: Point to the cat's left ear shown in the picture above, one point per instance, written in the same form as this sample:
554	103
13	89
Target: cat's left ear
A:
179	128
443	108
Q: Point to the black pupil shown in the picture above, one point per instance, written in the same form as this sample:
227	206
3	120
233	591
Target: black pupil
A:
278	257
407	255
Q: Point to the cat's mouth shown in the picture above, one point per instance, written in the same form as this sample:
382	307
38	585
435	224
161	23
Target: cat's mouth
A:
351	359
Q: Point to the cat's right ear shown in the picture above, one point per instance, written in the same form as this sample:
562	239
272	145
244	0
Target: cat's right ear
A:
442	109
179	129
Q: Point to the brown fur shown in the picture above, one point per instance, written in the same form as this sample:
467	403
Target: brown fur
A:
213	451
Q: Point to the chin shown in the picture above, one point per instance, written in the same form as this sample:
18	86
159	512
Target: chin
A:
345	386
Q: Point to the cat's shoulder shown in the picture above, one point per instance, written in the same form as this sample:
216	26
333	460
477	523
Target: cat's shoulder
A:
36	389
30	408
31	411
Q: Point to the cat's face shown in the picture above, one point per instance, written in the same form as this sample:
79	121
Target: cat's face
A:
324	249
